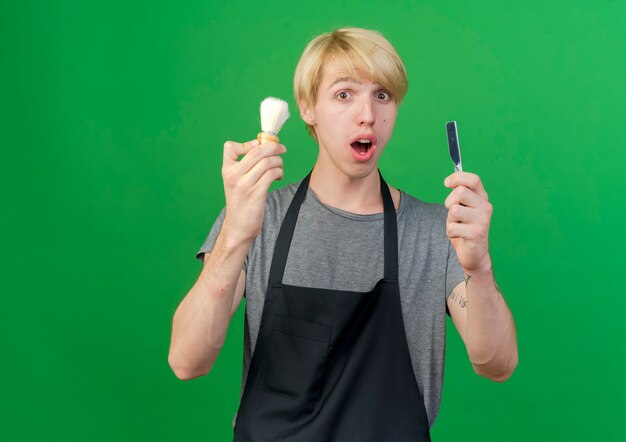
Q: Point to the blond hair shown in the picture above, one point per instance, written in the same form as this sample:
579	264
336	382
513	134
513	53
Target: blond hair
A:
359	51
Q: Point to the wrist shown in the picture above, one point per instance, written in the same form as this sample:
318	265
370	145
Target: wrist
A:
231	241
485	269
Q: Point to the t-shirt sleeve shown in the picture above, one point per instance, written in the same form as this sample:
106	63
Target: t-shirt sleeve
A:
454	271
209	242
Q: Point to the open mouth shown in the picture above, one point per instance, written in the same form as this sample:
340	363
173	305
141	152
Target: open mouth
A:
362	146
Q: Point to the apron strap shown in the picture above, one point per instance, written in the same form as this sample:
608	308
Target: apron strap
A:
285	234
391	232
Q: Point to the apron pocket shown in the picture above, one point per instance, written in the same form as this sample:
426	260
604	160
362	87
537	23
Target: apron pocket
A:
295	359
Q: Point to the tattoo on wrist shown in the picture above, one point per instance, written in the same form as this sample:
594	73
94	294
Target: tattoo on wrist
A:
467	278
496	284
459	299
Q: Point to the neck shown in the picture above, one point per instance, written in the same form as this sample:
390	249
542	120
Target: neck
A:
359	195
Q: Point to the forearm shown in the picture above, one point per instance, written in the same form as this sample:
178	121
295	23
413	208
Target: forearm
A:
490	330
201	320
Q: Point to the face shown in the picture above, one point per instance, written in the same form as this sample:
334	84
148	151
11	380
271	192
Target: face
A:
353	120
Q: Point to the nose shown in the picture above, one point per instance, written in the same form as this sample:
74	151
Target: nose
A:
365	113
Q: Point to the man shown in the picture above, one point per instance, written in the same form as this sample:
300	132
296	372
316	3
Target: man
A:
347	279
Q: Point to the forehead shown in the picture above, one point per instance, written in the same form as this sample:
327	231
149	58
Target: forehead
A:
335	71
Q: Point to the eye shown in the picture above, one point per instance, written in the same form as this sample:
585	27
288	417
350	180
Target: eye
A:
343	95
383	95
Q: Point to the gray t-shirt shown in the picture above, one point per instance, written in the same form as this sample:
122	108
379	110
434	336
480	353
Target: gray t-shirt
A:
335	249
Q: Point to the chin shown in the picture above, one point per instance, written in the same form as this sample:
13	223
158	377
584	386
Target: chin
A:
360	171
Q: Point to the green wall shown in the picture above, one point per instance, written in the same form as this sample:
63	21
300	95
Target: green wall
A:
112	125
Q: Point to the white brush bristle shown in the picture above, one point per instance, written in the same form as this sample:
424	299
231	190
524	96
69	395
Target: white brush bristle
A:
274	113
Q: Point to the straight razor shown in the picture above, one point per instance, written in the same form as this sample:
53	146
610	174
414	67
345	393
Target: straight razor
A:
453	145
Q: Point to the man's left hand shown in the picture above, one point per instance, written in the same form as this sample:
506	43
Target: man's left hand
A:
469	216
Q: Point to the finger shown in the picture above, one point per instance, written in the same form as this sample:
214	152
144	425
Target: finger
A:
464	196
269	176
469	180
233	150
258	153
461	214
252	177
461	230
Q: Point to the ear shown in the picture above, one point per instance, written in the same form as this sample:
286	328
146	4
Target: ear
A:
307	112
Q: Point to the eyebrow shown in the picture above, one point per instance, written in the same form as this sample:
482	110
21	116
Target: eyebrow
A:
344	79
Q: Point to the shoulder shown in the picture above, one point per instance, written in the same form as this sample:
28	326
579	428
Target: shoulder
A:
277	203
413	208
278	200
422	223
285	192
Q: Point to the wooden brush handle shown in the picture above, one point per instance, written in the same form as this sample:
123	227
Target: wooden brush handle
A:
264	137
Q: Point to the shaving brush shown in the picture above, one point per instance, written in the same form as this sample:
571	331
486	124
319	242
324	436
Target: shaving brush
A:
274	113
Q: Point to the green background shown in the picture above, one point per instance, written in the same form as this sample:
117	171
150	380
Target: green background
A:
112	125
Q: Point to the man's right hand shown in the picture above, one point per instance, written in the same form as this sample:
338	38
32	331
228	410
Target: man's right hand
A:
201	320
246	183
